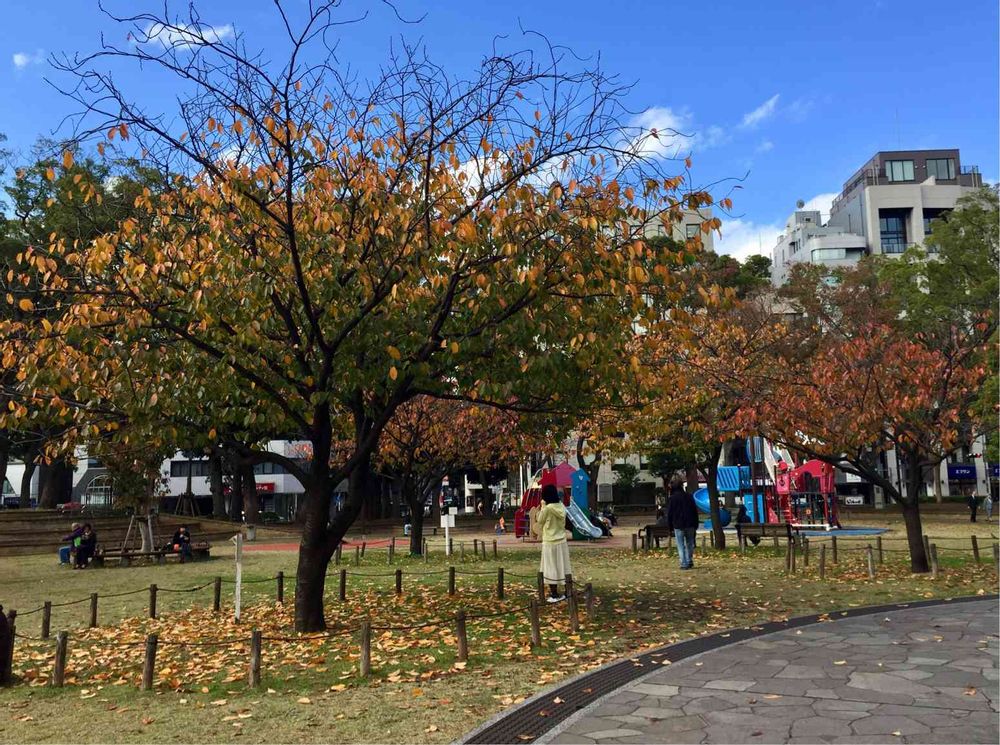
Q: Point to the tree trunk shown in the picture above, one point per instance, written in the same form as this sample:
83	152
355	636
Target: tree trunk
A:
936	476
919	563
236	494
591	469
4	460
145	524
215	483
691	476
29	470
251	500
713	498
55	484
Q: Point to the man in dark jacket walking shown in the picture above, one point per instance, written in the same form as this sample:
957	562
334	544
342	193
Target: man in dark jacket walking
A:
682	518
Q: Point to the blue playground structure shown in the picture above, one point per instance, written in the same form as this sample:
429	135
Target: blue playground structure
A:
729	479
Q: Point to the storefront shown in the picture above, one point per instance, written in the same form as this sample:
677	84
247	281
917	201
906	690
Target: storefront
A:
961	478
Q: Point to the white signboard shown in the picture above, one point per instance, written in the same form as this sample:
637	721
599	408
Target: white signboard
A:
854	500
447	521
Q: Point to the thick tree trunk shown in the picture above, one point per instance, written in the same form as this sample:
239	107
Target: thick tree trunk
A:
55	484
236	495
713	498
919	563
251	500
29	470
691	476
215	484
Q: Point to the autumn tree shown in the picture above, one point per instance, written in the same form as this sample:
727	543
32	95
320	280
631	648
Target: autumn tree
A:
327	251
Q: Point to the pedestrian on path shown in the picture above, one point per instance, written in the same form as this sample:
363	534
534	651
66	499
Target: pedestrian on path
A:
551	522
682	518
988	505
973	503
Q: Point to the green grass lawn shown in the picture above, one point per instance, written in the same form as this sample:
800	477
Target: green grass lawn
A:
311	691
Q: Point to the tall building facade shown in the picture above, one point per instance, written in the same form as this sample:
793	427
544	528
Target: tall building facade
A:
885	207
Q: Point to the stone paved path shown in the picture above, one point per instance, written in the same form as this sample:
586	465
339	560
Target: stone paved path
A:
924	675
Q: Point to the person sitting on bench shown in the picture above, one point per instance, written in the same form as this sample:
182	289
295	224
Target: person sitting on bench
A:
86	547
72	540
181	543
743	517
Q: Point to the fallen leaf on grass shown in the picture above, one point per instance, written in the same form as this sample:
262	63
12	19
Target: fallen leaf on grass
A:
970	691
148	720
840	662
432	728
220	702
305	700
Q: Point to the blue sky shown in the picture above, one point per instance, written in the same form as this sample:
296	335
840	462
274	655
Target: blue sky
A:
793	96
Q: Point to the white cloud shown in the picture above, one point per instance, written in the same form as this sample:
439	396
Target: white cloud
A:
23	59
742	238
666	133
183	36
799	109
764	147
761	113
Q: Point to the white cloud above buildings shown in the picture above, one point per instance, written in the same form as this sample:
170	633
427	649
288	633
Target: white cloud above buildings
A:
22	60
183	36
742	238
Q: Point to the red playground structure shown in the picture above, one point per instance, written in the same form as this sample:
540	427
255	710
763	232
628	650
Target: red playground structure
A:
806	494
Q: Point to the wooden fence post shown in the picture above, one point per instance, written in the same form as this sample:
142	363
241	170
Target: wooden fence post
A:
461	634
975	549
499	583
364	545
253	679
343	584
927	546
93	610
357	556
541	587
775	541
392	549
217	595
805	552
46	618
461	551
475	547
496	553
152	601
281	587
822	561
588	599
7	662
870	556
339	553
996	553
399	581
635	543
536	629
365	663
451	580
833	547
59	670
149	663
934	561
483	547
574	613
881	550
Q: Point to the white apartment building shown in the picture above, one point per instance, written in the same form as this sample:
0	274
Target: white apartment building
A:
886	207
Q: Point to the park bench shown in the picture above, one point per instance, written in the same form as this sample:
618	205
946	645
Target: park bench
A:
200	550
778	531
651	534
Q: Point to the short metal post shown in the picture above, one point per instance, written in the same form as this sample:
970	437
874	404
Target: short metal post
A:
461	634
496	553
935	568
59	671
149	663
541	587
253	678
975	549
833	546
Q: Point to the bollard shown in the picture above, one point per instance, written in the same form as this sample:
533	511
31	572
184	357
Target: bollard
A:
927	546
399	581
339	553
365	663
461	550
475	547
93	610
357	556
463	639
149	663
217	595
152	601
496	554
364	545
253	677
635	543
881	552
59	670
451	580
822	562
499	583
871	561
541	587
451	546
483	547
588	599
934	561
281	587
46	618
343	584
975	549
833	546
536	629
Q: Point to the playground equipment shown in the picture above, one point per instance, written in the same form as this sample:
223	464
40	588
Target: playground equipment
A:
572	484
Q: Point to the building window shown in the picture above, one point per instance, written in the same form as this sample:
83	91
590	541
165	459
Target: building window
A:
941	168
892	229
899	170
829	254
691	230
268	469
180	468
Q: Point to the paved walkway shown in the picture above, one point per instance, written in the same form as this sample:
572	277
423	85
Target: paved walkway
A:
921	675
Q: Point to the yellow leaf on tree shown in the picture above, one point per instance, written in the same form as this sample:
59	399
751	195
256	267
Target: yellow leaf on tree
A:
67	159
392	372
25	304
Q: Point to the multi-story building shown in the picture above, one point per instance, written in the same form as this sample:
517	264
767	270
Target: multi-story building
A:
689	226
886	207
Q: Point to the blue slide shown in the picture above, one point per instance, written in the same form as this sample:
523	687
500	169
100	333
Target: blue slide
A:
582	524
701	502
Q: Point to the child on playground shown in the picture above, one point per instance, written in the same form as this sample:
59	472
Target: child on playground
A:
555	551
501	526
